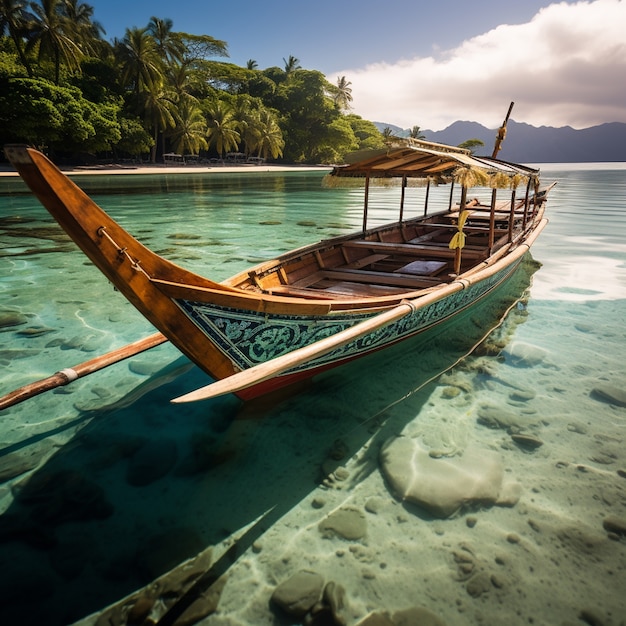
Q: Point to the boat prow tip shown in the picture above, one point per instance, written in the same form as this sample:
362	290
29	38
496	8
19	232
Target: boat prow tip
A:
203	393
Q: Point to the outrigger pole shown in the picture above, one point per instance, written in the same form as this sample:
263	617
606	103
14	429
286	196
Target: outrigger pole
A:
70	374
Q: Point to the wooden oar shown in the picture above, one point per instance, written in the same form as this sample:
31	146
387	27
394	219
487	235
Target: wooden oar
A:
66	376
270	369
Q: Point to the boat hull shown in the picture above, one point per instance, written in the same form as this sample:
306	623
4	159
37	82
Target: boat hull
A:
249	338
296	306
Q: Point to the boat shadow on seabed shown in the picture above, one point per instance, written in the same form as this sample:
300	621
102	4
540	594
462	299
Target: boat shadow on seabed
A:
145	485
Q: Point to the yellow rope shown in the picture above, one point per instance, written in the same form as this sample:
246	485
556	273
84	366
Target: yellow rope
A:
458	241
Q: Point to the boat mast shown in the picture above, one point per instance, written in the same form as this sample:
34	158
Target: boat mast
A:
501	133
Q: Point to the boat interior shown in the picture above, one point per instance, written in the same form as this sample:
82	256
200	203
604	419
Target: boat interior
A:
394	259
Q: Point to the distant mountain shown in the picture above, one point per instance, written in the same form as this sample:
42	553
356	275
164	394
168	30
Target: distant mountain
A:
529	144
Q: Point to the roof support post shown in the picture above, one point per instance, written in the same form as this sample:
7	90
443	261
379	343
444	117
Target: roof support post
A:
365	201
402	197
426	198
451	192
492	219
526	203
512	216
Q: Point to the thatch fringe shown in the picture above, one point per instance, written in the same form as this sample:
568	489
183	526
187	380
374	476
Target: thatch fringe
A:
470	177
500	180
354	182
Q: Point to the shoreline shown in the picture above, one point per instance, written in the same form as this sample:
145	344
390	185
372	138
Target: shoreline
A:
7	170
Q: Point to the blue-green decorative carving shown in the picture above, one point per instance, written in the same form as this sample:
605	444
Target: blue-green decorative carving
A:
249	337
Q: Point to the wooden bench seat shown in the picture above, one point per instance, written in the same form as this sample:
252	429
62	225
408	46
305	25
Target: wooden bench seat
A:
381	278
412	249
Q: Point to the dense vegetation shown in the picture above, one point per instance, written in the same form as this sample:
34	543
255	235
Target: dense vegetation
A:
64	88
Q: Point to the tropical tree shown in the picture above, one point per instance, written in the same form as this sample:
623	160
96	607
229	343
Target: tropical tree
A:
416	133
269	137
343	93
306	114
159	109
252	65
14	19
52	32
366	133
81	26
41	113
222	127
387	133
139	60
134	140
472	145
189	134
291	65
168	43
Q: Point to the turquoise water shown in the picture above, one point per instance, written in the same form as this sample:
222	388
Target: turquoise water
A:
106	485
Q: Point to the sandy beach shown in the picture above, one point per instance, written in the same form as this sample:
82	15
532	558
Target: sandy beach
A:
160	168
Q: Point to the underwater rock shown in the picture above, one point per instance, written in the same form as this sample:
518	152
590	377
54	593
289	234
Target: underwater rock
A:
12	318
346	522
143	368
442	486
610	393
299	594
334	597
61	496
525	354
614	524
530	442
376	619
415	616
151	462
496	417
16	463
35	331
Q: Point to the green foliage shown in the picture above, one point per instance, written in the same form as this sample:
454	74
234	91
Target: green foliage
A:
41	113
134	140
472	145
156	89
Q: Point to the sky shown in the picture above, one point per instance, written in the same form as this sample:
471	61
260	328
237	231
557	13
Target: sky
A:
424	64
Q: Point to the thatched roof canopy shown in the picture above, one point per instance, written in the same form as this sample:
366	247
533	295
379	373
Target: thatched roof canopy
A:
421	159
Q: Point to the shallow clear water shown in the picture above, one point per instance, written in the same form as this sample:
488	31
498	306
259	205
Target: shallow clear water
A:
123	485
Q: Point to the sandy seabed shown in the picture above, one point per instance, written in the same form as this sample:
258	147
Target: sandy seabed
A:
551	551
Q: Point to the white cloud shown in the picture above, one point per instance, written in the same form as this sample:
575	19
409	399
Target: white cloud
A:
567	66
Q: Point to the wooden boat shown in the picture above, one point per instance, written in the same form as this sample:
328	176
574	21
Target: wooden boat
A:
322	305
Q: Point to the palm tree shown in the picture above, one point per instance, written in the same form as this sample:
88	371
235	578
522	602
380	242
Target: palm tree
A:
139	59
222	128
252	65
159	108
52	31
270	140
189	133
291	65
169	45
387	133
416	133
343	93
82	27
13	18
